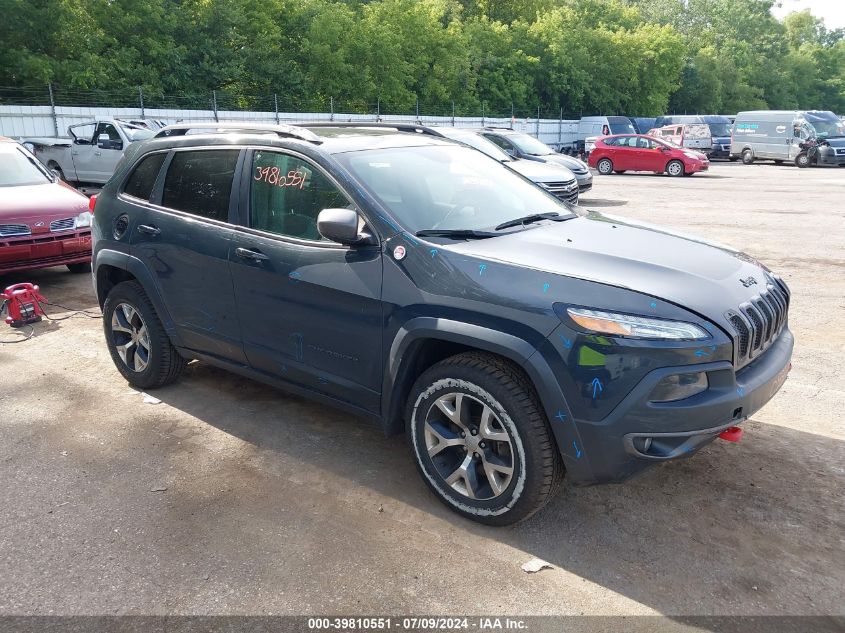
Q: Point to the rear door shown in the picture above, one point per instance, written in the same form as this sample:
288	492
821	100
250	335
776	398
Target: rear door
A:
184	236
310	309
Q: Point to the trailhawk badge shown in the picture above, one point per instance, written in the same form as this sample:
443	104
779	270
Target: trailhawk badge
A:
748	282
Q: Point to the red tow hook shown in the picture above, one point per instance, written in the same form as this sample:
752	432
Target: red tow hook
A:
733	434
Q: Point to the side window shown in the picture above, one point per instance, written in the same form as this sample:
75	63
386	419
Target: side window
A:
613	142
645	143
498	140
200	182
288	193
106	128
143	179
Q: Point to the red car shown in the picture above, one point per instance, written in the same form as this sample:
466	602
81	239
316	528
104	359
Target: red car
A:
637	152
43	221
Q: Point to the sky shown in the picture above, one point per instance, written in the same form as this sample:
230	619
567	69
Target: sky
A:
833	11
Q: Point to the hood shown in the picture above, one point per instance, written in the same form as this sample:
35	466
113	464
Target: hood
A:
696	275
572	164
541	172
721	140
50	201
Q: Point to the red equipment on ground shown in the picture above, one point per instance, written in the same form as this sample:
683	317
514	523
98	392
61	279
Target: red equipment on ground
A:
23	304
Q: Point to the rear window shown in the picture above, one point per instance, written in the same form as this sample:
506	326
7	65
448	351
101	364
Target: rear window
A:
200	182
143	179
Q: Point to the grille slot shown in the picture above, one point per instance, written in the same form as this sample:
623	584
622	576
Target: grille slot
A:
8	230
65	224
756	327
743	334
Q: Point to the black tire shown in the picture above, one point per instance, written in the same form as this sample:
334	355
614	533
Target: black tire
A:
483	380
675	168
604	166
747	157
80	268
163	363
802	160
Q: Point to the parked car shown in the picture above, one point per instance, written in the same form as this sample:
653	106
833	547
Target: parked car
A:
805	137
89	155
638	152
526	147
418	283
43	221
693	136
559	180
720	135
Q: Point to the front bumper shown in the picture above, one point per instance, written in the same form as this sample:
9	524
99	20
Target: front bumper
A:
585	181
720	151
42	251
638	432
831	156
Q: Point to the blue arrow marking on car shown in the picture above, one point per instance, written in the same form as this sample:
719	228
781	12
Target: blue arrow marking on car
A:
597	388
577	450
546	287
567	343
482	268
433	252
561	416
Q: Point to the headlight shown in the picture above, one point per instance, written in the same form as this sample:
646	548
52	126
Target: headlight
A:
635	326
83	220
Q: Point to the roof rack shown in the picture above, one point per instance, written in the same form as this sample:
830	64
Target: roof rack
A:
213	127
419	128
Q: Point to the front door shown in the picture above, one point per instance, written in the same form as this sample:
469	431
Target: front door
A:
96	164
650	156
184	239
310	309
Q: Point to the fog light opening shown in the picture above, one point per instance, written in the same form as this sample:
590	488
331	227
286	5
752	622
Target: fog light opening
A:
680	387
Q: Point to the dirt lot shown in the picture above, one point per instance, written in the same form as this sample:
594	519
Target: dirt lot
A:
229	497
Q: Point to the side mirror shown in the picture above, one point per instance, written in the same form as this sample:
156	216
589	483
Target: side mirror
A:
104	142
340	225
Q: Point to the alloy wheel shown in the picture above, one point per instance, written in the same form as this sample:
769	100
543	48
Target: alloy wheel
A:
675	168
130	337
469	446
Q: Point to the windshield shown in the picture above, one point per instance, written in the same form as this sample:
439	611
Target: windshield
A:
719	125
620	125
530	145
478	142
826	124
138	134
447	187
17	168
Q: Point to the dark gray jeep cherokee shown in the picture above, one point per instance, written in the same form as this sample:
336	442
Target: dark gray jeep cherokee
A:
423	285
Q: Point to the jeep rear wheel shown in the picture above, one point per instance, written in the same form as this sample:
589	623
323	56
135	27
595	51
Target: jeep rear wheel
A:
137	342
605	166
481	441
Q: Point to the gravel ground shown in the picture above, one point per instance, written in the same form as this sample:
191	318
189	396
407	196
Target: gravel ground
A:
229	497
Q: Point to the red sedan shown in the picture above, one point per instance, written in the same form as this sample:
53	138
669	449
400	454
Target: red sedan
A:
43	221
637	152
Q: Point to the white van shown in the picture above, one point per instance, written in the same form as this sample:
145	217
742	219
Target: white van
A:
592	127
688	135
804	137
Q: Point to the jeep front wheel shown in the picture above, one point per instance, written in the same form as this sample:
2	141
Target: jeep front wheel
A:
481	440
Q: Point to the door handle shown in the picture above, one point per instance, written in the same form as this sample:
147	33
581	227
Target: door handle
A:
148	229
245	253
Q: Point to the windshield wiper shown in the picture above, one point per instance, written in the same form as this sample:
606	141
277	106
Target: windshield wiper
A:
458	234
528	219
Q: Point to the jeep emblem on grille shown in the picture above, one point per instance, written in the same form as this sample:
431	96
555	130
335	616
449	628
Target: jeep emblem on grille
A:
748	282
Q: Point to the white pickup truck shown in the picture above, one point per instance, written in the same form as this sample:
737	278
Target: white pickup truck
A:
89	155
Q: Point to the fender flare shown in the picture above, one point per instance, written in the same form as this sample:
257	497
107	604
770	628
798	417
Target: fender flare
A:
497	342
136	268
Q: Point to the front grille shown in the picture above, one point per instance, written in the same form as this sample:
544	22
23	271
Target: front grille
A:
566	191
758	323
8	230
62	225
